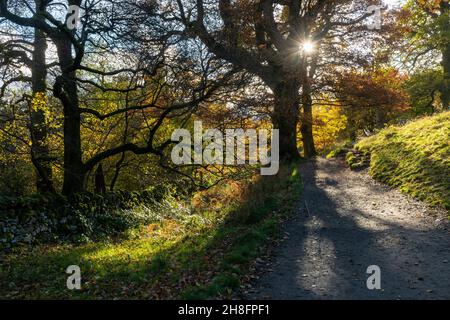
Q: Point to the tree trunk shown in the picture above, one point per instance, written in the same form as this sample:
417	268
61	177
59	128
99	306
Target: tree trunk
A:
66	90
445	90
38	128
117	172
285	118
351	126
100	185
306	127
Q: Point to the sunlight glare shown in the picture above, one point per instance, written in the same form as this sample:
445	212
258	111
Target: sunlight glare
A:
308	46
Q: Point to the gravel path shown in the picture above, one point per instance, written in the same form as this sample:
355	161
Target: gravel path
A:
347	222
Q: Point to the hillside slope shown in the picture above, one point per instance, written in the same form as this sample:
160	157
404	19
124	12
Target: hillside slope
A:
414	158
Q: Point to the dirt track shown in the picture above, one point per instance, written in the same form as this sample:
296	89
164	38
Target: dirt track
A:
347	222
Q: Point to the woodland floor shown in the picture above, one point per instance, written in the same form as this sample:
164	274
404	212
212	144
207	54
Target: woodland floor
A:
346	222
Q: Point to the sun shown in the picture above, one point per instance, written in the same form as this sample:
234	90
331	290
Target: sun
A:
308	46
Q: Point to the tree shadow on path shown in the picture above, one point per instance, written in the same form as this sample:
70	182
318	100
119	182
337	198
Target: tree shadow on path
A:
335	238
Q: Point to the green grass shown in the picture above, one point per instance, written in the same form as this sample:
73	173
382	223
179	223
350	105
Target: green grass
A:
194	256
414	158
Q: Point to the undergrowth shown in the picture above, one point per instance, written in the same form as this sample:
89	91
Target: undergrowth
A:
194	250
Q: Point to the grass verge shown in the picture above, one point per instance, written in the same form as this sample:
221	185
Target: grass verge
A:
414	158
199	252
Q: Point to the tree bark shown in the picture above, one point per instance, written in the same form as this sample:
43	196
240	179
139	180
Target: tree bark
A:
117	172
38	128
100	185
285	117
306	126
66	90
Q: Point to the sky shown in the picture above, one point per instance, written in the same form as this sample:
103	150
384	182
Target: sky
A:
394	2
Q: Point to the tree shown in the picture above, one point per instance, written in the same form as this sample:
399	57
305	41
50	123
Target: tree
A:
371	99
40	155
329	124
266	39
423	88
65	87
104	23
427	25
17	49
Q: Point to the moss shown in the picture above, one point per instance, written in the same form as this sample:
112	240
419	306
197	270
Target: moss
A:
415	158
339	150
